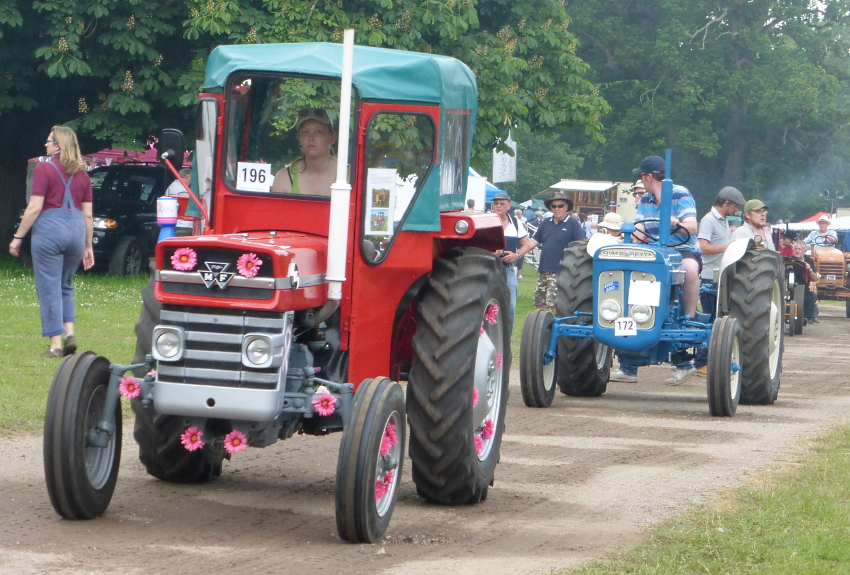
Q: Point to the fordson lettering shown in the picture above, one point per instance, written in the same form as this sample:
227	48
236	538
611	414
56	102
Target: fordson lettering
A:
624	253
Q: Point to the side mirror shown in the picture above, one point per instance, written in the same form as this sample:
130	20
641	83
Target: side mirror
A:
171	146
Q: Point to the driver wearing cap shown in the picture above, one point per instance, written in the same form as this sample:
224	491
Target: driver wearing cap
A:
683	221
823	236
315	171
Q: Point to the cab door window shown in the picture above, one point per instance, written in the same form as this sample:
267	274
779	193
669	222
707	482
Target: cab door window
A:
399	154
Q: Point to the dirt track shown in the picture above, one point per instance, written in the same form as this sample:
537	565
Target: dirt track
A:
578	480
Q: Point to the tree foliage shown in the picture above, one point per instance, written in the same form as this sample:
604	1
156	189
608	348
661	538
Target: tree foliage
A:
118	70
751	93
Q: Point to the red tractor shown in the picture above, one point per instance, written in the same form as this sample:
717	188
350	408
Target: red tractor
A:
299	312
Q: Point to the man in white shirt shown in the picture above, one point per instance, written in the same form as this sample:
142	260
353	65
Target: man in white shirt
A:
714	237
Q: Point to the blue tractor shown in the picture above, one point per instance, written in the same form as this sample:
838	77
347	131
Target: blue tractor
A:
626	298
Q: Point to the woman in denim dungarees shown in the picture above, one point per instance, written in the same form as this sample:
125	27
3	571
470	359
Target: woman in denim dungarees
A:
60	215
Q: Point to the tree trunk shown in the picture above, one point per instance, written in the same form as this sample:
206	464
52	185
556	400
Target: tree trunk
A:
737	143
22	141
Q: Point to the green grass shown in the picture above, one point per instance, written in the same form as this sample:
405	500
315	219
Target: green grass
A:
796	523
107	309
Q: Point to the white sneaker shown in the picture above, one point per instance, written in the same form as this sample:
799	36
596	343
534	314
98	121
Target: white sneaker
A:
679	376
623	377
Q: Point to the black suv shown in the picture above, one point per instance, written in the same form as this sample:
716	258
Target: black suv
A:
124	209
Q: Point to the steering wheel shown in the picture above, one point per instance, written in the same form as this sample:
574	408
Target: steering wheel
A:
679	234
821	242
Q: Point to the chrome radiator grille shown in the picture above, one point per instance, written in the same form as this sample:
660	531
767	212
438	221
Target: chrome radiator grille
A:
213	347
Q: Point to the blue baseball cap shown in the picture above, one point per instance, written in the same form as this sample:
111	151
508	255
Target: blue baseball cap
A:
650	165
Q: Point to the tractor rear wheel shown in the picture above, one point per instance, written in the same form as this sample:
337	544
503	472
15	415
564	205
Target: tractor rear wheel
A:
370	459
583	365
80	475
458	388
756	301
158	436
537	381
723	382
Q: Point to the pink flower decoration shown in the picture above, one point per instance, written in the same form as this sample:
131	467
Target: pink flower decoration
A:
325	404
382	485
388	440
474	396
491	314
235	441
499	360
488	430
129	388
184	259
192	438
479	444
152	373
249	265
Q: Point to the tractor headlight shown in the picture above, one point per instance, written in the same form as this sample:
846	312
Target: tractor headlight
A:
258	352
167	343
641	313
610	310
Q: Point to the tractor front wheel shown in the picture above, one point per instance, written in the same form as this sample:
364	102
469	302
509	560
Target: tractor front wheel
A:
80	474
756	300
458	389
724	371
584	365
370	459
537	381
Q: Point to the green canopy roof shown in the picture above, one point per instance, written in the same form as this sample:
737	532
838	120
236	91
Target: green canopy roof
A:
378	73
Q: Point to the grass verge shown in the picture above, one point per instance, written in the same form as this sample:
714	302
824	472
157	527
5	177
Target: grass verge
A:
797	523
107	308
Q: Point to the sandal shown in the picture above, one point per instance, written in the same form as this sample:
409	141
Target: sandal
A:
51	352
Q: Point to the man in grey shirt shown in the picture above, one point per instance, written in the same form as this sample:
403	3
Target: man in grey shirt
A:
714	236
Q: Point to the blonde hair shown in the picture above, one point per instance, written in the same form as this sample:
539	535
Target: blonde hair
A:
70	158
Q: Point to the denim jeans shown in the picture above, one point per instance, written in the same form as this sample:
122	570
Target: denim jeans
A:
708	300
512	288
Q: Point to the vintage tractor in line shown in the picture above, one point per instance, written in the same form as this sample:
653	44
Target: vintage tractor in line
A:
626	298
295	313
833	267
796	278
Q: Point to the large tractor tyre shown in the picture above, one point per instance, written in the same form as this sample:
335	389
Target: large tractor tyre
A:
162	453
80	475
158	436
723	382
458	388
757	302
148	320
537	381
370	459
128	259
847	308
583	365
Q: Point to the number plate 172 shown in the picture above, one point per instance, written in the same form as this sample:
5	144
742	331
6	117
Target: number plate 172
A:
625	326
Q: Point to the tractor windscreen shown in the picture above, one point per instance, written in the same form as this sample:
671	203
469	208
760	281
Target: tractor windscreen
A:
275	127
